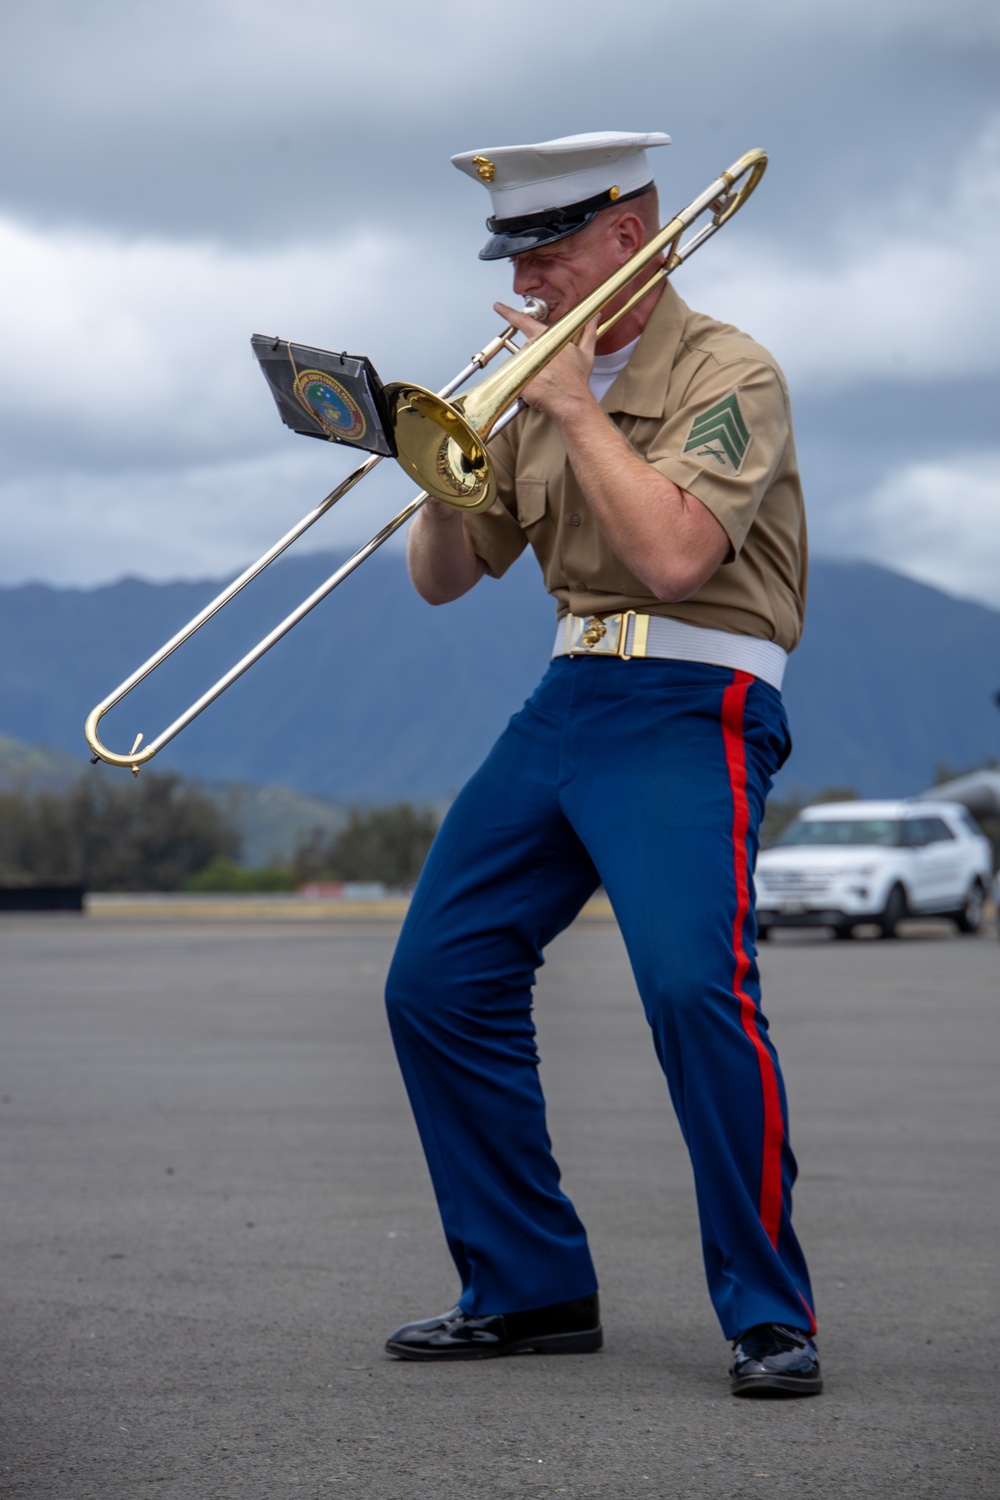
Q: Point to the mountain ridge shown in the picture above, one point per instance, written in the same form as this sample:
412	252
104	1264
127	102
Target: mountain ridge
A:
377	696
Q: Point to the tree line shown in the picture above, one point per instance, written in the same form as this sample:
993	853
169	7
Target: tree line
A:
150	834
385	845
162	833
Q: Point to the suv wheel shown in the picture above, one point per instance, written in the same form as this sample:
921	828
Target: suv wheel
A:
970	917
894	912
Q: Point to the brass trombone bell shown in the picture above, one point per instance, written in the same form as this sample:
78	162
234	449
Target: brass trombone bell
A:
436	447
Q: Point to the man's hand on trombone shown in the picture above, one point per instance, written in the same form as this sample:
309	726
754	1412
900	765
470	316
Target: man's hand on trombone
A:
563	382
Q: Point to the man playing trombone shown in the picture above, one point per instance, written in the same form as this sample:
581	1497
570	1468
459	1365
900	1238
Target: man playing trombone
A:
654	475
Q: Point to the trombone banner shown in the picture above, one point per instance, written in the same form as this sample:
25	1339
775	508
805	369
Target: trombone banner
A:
325	395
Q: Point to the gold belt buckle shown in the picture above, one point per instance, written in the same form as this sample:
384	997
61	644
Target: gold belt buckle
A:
608	636
599	637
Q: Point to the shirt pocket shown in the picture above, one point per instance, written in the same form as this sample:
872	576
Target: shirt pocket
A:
532	500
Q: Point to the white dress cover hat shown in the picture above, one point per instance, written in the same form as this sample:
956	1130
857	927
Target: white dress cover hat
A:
546	191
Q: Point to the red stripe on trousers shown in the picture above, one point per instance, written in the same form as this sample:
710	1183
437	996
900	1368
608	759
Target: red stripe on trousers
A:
733	706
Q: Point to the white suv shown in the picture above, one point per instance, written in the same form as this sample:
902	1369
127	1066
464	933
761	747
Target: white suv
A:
844	863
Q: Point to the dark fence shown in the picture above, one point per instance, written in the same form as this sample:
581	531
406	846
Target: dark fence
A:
41	898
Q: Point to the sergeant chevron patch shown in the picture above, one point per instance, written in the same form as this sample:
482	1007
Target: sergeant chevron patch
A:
720	436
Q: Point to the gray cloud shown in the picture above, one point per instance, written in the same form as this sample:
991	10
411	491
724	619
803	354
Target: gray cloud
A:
251	122
181	176
935	521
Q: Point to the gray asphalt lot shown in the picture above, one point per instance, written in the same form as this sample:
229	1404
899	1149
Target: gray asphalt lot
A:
215	1208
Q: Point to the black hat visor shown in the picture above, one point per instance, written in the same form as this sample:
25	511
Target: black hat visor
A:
515	236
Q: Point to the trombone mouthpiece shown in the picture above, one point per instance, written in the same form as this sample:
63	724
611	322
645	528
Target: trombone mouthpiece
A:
535	307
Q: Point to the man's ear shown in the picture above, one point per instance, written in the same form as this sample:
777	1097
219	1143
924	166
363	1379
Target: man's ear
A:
631	234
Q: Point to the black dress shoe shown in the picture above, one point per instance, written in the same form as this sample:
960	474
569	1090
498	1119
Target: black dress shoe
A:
772	1359
563	1328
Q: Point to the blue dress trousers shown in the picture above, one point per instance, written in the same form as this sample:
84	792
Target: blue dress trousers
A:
648	777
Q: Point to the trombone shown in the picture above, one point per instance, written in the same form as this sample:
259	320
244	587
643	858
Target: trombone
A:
441	444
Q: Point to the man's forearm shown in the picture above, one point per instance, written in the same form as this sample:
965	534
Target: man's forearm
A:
666	537
439	555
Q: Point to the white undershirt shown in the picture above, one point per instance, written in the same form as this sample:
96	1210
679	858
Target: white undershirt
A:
607	367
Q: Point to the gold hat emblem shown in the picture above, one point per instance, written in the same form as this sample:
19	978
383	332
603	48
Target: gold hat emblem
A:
614	193
487	171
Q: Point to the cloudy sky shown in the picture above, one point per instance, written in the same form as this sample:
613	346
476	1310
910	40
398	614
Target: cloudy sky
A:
175	178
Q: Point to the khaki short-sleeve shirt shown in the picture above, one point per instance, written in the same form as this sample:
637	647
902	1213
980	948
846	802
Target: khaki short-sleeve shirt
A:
708	408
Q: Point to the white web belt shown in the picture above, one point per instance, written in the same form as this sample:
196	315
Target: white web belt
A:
631	635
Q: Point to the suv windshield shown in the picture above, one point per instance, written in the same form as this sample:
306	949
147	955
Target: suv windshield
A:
845	832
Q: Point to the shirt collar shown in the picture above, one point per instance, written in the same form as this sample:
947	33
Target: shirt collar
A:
641	387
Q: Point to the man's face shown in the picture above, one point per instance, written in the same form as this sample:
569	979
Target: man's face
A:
564	273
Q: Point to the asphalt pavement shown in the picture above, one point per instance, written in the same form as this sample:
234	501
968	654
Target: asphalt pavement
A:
215	1209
